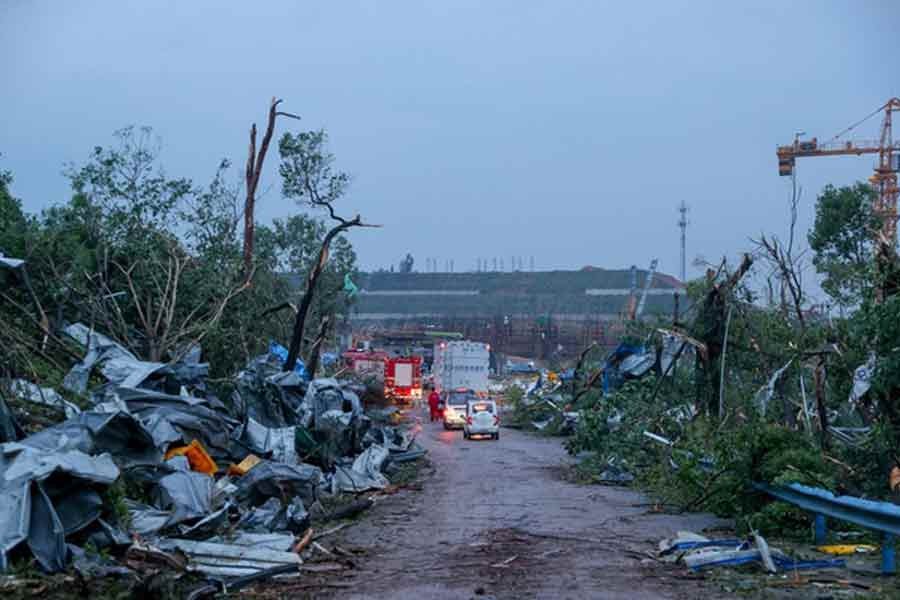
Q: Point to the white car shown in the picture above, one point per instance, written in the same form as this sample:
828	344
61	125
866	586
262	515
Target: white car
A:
481	419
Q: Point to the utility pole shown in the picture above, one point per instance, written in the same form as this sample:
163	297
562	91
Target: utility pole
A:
683	223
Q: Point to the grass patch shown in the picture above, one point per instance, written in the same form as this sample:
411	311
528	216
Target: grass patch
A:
408	472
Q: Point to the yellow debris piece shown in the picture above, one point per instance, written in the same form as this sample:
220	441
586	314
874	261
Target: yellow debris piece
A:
838	549
245	465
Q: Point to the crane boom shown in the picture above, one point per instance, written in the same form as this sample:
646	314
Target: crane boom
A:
647	283
884	180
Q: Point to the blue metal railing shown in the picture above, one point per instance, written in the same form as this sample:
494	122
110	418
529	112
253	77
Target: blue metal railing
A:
878	516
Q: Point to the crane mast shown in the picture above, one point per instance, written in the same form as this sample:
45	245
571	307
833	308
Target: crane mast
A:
883	180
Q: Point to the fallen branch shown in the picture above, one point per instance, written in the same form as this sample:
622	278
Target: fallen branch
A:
328	532
504	564
350	510
322	549
304	541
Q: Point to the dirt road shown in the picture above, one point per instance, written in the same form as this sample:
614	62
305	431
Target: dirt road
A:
496	519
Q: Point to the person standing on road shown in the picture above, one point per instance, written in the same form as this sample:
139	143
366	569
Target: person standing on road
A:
433	399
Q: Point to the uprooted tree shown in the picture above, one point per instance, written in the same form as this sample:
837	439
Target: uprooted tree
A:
308	177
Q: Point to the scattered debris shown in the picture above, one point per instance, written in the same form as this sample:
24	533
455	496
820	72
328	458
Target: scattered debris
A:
230	560
700	553
65	486
26	390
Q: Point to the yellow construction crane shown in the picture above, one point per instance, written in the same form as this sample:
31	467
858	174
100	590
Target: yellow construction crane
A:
883	181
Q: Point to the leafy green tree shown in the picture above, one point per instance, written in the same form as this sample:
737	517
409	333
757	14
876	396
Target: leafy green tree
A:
12	220
841	239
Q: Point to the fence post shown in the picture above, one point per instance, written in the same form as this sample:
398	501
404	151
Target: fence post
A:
888	552
820	529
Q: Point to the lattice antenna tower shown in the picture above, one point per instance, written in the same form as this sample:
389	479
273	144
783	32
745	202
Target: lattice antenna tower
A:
682	224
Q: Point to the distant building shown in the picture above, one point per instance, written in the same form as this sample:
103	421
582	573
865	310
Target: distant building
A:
539	314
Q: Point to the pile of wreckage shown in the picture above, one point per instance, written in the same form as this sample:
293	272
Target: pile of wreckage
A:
551	403
159	470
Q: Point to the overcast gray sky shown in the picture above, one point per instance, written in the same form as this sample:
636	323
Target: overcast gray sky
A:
568	131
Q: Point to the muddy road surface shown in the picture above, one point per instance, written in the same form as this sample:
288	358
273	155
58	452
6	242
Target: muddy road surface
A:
497	519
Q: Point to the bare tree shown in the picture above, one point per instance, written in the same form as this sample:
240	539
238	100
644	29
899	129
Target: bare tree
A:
785	263
165	327
307	176
788	273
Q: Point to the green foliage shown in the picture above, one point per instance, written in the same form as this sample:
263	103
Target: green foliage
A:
12	220
155	261
114	497
513	397
878	327
709	467
755	451
713	460
841	239
306	169
613	427
869	463
408	472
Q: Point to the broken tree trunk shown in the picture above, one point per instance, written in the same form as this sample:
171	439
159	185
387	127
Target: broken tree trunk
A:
580	364
711	319
312	365
788	411
311	280
254	170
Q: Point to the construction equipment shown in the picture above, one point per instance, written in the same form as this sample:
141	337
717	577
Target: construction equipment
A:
883	181
647	283
635	307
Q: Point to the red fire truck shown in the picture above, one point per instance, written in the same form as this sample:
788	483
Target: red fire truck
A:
399	376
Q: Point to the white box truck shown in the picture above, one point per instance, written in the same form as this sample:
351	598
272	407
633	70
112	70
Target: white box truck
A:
461	365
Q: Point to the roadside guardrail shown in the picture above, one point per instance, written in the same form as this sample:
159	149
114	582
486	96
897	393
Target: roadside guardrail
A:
883	517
